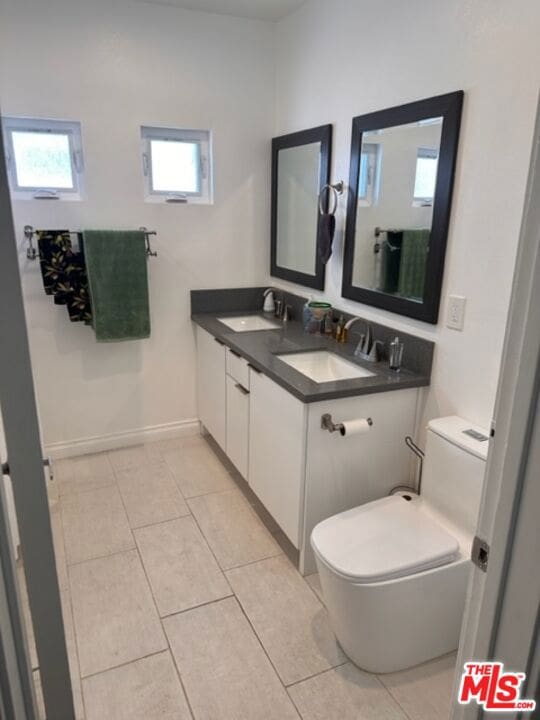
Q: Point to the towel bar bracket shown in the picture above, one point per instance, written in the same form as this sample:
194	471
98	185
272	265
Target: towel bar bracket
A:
31	253
147	233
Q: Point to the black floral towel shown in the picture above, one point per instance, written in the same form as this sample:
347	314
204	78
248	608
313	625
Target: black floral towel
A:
64	274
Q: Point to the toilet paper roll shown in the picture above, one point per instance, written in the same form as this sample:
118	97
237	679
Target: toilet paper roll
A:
355	427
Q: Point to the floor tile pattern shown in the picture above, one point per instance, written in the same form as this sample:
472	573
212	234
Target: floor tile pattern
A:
180	605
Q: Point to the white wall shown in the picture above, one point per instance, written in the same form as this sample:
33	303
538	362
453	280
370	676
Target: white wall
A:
341	59
115	66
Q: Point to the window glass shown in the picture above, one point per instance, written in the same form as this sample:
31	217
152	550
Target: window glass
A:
176	166
44	158
426	175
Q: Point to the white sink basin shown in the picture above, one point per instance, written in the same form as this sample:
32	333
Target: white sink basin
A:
322	366
247	323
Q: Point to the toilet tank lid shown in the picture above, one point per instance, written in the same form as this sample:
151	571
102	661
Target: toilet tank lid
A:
458	431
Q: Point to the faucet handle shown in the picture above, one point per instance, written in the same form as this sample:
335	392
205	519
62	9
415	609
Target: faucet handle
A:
360	347
287	313
374	352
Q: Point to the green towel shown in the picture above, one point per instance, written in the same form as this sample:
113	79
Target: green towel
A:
412	271
116	264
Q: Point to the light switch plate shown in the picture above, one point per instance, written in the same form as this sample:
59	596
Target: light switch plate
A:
456	312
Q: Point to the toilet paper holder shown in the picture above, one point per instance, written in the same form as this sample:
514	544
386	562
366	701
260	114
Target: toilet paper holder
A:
328	424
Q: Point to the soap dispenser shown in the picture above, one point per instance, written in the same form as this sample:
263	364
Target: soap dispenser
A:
269	304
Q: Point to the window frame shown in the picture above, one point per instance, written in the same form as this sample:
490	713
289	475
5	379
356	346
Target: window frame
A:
72	130
203	140
425	153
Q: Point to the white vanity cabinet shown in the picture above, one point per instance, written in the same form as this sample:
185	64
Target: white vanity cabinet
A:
300	471
211	389
277	442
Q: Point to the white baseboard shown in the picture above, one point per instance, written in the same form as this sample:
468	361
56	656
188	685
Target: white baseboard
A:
86	446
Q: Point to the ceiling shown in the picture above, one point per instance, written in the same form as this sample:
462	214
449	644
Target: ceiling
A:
260	9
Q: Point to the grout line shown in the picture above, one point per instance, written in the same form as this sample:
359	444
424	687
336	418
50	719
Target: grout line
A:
323	672
259	640
197	607
83	491
391	695
254	562
161	522
304	578
241	608
188	703
122	665
102	557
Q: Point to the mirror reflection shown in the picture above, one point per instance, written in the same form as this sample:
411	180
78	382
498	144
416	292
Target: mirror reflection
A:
396	189
297	207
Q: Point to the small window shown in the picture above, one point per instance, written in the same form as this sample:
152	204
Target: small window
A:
44	158
369	171
176	165
427	160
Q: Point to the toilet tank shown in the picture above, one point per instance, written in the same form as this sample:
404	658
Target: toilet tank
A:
454	468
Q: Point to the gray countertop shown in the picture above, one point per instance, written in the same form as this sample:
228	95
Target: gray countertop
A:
261	347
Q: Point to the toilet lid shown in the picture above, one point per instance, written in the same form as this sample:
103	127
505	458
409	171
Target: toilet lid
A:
383	540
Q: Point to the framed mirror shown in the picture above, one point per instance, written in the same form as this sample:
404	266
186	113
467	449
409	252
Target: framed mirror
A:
300	169
400	192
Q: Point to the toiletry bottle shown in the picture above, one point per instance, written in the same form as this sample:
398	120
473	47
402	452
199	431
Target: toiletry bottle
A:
395	355
344	332
340	328
306	314
328	324
269	305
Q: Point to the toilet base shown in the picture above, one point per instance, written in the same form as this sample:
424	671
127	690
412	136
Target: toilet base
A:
393	625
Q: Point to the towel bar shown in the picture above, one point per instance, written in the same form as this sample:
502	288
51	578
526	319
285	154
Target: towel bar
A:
31	251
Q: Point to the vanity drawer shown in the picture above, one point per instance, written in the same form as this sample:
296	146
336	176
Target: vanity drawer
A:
237	368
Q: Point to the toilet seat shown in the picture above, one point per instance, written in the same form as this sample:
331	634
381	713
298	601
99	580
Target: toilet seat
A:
383	540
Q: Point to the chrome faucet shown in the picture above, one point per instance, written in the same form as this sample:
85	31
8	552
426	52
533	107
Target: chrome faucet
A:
367	349
350	323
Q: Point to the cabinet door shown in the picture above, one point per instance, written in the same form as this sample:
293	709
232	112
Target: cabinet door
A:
237	425
211	385
277	438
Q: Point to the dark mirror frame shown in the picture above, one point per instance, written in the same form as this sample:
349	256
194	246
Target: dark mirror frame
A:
449	108
323	135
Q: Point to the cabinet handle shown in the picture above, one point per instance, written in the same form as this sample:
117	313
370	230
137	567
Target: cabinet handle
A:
242	389
233	352
259	372
219	342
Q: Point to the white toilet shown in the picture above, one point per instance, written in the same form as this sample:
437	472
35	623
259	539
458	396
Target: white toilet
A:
394	572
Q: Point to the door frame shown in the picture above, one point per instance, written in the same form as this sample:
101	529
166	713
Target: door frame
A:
23	442
504	522
17	696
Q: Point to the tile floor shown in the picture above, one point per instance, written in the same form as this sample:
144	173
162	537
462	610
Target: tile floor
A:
180	605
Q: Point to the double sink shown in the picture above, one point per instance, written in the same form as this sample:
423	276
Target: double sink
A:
320	366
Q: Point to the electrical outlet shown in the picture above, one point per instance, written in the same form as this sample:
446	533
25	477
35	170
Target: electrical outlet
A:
456	312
